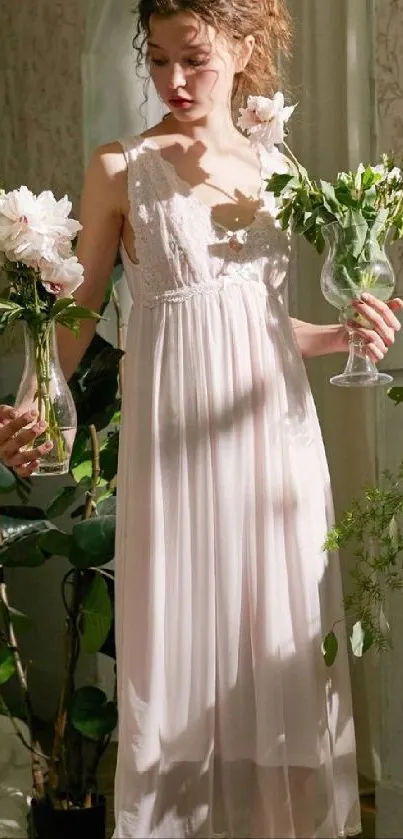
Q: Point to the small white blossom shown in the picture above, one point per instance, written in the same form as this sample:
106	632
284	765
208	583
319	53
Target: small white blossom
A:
264	119
62	278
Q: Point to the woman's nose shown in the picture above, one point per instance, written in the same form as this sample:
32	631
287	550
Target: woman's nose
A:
178	78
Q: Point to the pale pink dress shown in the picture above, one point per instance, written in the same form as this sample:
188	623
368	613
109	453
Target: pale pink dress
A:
230	723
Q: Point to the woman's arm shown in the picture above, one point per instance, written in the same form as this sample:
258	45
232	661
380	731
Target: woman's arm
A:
101	215
314	339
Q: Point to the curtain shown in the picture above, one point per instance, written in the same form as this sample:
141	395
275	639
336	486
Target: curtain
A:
115	102
334	127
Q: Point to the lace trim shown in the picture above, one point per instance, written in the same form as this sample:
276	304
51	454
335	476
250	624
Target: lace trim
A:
179	295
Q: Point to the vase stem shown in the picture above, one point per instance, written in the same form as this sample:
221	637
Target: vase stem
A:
360	370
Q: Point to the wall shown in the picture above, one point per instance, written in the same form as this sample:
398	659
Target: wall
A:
40	146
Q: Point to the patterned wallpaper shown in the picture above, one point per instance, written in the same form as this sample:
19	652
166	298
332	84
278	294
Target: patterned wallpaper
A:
389	91
41	101
40	94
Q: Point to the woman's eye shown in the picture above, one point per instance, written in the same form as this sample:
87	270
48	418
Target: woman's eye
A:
159	62
198	62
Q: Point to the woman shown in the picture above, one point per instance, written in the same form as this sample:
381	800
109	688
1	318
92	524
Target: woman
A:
230	724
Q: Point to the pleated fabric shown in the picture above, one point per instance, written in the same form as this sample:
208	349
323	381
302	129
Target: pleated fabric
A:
230	724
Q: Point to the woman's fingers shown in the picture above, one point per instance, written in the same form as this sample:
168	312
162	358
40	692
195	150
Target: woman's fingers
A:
26	458
380	316
14	424
17	431
396	304
26	470
374	344
23	438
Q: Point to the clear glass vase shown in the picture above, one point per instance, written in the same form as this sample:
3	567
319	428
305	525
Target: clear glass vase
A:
44	387
356	262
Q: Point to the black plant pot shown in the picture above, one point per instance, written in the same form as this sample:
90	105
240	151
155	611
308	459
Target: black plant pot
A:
47	823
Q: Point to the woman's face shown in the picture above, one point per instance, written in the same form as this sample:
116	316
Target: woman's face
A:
191	65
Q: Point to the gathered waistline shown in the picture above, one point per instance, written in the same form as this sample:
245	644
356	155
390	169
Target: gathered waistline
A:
179	295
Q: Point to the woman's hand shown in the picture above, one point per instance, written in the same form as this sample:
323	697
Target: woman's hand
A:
17	431
379	335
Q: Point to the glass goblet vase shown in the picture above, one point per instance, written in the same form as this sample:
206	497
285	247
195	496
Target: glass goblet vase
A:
356	262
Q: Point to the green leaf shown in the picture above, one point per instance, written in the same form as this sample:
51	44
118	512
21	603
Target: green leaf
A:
91	714
55	542
20	529
19	619
276	183
106	505
7	664
9	306
329	197
72	313
80	448
361	639
83	470
330	648
60	305
396	394
96	616
67	496
109	456
7	479
93	542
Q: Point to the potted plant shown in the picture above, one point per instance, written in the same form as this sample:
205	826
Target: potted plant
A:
65	793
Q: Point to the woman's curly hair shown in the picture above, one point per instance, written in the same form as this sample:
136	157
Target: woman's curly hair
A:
267	20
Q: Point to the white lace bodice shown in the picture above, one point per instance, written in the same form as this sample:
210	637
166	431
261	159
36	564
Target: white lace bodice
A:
181	250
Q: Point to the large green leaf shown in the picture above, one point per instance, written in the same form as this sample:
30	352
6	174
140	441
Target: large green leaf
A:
330	648
20	529
67	496
396	394
19	619
81	444
109	456
106	505
93	542
91	714
95	385
55	542
96	611
7	479
7	664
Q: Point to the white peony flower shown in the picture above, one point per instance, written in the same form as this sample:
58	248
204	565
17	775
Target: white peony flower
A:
62	278
34	228
264	119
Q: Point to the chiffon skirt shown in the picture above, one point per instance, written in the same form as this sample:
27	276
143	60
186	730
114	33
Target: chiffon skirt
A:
230	723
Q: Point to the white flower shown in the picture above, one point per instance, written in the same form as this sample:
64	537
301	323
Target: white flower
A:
395	174
33	228
264	119
62	278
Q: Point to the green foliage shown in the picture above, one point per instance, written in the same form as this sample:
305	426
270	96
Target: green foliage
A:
7	664
96	612
91	714
330	648
368	201
371	530
30	536
27	299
